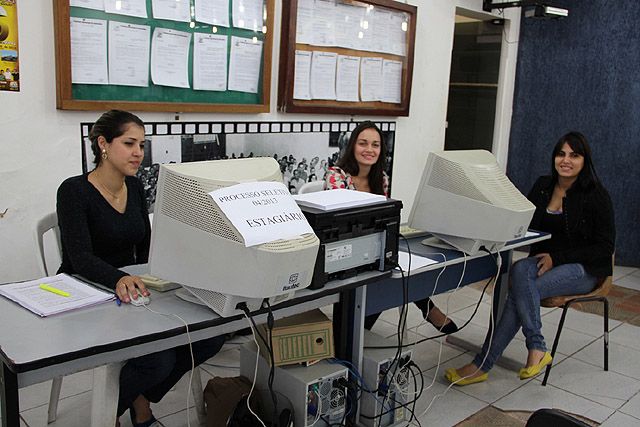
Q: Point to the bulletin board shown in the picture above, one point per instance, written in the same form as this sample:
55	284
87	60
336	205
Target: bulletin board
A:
364	50
161	97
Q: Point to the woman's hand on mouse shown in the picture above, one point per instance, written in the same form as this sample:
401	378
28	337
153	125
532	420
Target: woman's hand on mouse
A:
130	285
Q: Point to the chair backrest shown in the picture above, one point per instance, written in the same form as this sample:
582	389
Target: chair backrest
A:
311	187
48	222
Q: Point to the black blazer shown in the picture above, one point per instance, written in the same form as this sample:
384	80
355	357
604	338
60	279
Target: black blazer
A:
589	225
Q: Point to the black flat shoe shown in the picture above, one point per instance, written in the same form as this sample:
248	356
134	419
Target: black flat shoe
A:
426	305
448	328
149	423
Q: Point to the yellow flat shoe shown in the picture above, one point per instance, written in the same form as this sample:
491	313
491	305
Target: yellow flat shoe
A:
534	370
453	377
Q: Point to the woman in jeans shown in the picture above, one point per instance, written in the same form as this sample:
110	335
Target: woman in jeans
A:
575	208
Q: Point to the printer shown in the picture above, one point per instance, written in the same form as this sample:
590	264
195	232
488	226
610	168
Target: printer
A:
354	239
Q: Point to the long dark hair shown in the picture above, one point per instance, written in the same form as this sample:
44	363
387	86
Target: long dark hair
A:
578	143
349	164
110	125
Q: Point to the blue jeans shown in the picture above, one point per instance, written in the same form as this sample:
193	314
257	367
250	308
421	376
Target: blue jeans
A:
522	308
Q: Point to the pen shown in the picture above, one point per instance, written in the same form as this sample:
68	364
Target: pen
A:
53	290
118	302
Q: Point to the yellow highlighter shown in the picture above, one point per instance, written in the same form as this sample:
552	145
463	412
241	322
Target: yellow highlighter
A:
53	290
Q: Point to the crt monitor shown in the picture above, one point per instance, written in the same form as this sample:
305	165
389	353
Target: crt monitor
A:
194	244
466	200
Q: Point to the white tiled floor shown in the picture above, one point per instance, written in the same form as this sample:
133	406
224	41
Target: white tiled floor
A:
577	383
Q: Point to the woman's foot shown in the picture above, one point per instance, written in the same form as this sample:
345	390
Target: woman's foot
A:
440	321
140	411
536	361
468	374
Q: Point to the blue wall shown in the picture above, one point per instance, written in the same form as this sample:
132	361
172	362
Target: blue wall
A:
583	73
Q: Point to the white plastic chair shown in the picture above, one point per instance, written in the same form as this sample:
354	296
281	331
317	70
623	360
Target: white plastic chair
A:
106	378
311	187
50	223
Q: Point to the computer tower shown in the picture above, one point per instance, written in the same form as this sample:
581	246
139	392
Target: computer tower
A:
314	392
377	367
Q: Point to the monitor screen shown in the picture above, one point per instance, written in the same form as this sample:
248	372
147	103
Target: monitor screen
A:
466	200
194	244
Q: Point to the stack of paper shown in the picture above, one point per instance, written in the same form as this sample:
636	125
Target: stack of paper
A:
52	295
416	261
337	199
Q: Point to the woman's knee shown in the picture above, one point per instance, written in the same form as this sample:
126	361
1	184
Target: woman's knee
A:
160	364
522	271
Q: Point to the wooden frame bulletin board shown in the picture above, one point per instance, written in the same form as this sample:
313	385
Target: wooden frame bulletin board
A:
74	96
301	40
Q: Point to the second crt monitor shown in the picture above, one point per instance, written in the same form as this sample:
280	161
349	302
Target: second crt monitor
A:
466	200
193	243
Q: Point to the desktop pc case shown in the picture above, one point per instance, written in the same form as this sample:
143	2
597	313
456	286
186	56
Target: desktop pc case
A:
317	393
376	362
355	239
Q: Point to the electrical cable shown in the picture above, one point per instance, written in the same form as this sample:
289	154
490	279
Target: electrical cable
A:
489	282
401	327
193	363
491	325
272	368
318	409
255	372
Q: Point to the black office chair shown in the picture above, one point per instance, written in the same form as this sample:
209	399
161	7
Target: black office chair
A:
553	417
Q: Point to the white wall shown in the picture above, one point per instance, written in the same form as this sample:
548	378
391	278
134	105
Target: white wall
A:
40	146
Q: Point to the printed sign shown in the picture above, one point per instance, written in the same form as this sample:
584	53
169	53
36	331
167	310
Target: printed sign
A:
262	211
9	69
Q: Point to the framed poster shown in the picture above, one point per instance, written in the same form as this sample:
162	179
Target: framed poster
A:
9	65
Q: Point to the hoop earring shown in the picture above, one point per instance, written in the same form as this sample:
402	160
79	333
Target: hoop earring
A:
104	154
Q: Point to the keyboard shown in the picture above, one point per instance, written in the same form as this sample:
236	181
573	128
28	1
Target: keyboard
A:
409	232
158	284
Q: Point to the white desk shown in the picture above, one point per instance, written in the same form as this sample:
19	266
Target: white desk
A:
35	349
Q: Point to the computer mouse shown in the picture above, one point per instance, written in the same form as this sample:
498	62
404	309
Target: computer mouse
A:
141	300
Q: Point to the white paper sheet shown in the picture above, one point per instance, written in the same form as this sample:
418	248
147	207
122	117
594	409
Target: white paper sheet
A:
129	54
304	22
174	10
88	4
45	303
214	12
88	51
338	199
348	25
398	33
126	7
392	81
262	211
244	64
248	14
381	22
371	79
323	27
302	75
417	261
323	75
170	57
347	75
209	62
